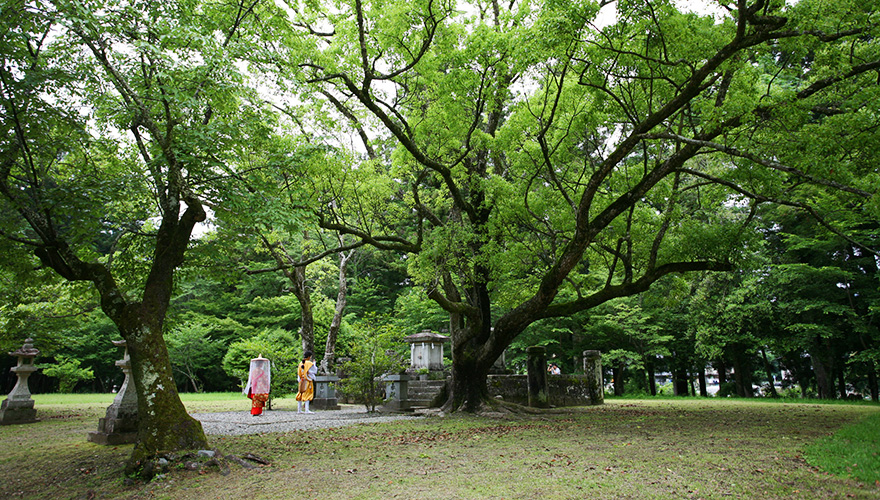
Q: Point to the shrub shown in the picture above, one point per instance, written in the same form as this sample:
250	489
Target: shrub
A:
373	356
68	372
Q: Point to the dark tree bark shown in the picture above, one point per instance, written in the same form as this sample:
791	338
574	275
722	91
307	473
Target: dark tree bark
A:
841	380
823	383
617	371
702	378
679	381
652	379
721	368
295	272
743	375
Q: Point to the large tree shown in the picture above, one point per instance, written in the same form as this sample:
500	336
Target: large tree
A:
547	163
115	119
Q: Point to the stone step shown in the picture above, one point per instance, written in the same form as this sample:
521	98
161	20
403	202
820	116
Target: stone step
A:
433	385
421	392
425	390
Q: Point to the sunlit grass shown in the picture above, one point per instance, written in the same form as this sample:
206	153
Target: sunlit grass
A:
853	451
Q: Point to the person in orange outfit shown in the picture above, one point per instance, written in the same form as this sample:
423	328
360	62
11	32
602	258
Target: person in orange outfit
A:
305	375
257	387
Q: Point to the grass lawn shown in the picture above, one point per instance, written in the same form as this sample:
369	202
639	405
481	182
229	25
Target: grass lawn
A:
641	449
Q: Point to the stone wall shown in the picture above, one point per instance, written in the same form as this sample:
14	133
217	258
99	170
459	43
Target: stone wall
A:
565	390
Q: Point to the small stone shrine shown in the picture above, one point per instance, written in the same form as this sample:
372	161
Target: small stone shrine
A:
119	425
18	408
426	350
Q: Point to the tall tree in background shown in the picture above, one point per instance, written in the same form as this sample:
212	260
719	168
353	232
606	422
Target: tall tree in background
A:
546	164
115	118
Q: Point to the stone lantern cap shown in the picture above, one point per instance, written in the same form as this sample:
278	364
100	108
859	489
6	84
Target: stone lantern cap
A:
26	351
426	337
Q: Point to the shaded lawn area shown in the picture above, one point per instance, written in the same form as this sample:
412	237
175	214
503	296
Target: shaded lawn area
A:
641	449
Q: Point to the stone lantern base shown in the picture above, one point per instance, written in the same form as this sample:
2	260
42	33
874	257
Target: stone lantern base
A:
120	423
114	430
17	412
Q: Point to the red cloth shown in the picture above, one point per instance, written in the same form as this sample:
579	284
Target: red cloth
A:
258	402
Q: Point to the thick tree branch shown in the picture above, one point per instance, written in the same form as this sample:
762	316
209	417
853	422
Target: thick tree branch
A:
632	288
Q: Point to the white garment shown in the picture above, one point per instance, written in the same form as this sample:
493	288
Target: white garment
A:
259	377
310	375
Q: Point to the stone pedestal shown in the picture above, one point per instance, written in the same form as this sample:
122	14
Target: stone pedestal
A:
119	425
539	392
18	407
325	393
396	393
593	372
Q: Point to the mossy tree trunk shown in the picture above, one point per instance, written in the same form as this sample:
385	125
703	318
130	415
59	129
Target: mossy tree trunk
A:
163	422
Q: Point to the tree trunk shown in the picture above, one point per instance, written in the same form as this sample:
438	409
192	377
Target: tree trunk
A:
721	368
652	379
617	370
841	381
872	382
469	387
742	376
679	382
329	360
823	384
163	422
704	392
307	322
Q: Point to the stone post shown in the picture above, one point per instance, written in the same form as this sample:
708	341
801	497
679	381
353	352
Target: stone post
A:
325	393
593	372
119	425
396	392
539	392
18	408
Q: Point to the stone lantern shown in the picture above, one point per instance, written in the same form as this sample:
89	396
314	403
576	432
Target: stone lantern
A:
120	423
426	350
18	408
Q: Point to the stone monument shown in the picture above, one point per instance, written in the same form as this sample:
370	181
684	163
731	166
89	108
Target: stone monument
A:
119	425
539	391
18	408
426	350
593	372
396	392
325	392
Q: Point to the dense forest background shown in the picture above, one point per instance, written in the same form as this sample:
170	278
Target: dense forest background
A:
801	313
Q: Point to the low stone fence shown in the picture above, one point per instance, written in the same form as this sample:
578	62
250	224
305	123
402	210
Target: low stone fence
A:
564	390
536	389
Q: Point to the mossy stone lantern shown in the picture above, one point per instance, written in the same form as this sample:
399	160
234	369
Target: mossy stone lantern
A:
18	407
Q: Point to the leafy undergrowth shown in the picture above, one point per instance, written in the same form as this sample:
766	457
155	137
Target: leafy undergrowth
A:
639	449
853	451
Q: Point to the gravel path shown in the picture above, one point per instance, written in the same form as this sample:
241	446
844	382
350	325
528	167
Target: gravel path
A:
234	423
